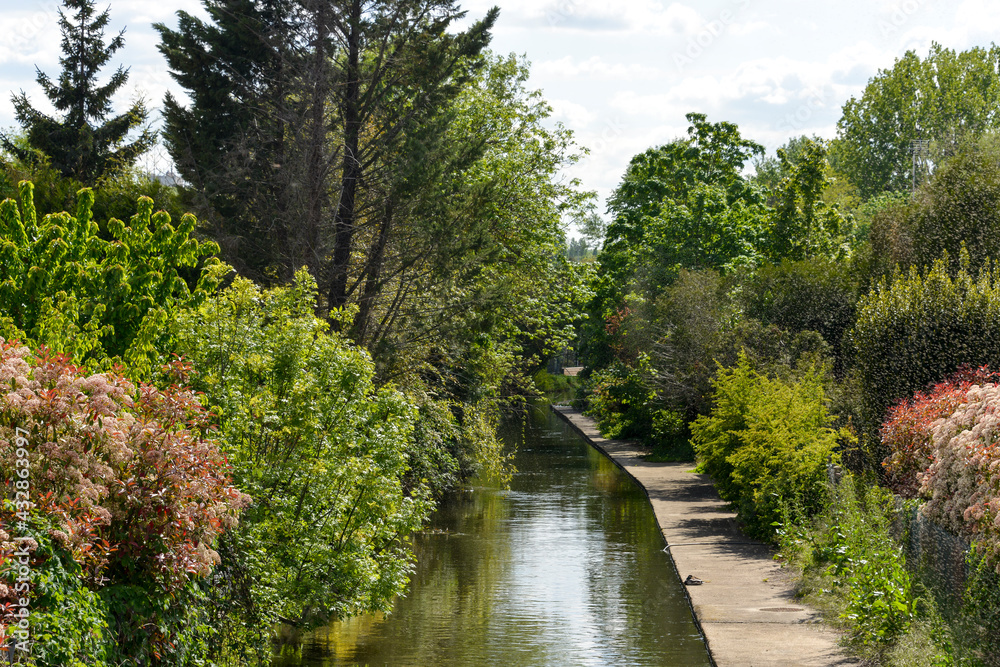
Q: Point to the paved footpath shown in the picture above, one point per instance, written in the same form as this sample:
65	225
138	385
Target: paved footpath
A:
746	607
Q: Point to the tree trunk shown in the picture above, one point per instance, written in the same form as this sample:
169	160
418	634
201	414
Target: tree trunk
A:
376	260
344	223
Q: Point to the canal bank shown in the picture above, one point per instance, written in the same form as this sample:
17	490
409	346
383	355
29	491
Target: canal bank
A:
561	568
746	605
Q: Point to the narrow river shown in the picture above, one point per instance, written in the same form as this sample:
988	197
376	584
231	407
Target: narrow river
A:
565	568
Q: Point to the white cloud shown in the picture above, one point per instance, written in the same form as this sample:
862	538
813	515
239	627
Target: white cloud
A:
778	68
572	114
593	68
750	27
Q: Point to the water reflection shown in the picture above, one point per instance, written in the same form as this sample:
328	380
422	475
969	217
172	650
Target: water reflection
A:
565	568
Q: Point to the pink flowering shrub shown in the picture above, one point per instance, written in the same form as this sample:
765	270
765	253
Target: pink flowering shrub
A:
906	433
963	482
127	478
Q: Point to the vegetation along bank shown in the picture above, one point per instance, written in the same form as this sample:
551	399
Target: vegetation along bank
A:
231	397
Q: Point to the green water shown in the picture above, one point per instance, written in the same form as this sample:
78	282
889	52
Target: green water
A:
565	568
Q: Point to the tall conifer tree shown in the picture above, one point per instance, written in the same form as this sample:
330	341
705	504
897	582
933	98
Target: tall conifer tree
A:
230	145
300	112
84	144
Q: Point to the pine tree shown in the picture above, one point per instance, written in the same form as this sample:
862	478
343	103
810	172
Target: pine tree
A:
231	144
84	144
301	113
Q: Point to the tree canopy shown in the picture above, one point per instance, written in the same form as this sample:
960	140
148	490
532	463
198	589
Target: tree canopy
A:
937	99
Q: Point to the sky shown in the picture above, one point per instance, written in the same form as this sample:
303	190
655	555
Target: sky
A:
621	75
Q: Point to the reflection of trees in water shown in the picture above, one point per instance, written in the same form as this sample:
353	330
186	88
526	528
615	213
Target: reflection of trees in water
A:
636	592
461	560
565	568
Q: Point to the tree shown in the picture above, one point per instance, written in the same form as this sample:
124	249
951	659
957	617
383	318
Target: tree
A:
232	145
321	451
686	202
84	144
803	225
416	222
954	211
818	294
314	106
939	99
684	205
577	250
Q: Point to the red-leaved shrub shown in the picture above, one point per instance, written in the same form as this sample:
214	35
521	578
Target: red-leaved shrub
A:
963	482
130	475
907	430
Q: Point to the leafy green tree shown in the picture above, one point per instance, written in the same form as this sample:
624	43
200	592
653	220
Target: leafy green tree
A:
803	225
769	172
684	205
320	450
682	199
957	207
939	99
85	143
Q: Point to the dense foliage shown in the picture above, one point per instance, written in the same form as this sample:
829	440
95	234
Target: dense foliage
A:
766	441
817	295
321	453
956	207
99	300
921	327
127	491
396	190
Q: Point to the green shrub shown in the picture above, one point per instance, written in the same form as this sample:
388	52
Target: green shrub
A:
99	301
670	437
322	452
767	440
68	621
919	329
815	295
848	552
620	402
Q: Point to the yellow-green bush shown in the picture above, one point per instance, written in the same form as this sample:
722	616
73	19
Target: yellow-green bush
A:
99	299
766	441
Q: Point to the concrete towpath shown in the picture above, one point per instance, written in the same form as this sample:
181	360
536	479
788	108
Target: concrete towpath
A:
746	606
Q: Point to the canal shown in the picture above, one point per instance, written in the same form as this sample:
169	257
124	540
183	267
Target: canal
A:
566	568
